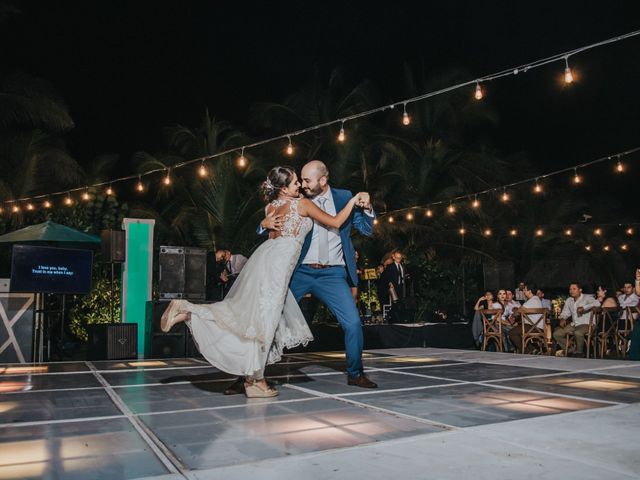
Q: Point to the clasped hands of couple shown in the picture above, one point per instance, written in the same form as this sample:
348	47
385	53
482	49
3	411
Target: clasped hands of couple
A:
274	221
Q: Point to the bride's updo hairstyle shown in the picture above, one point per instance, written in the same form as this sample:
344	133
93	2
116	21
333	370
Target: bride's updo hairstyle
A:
277	179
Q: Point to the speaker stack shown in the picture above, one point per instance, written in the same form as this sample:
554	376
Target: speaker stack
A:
113	342
183	273
113	246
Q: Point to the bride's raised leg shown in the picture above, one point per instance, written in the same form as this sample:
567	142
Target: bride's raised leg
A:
172	316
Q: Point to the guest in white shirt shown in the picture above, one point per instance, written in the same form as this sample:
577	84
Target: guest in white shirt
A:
546	303
510	305
628	299
533	301
574	318
520	293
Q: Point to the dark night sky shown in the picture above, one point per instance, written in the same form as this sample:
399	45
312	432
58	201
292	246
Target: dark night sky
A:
128	68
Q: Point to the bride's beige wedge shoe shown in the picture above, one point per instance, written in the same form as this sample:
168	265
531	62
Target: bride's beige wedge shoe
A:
252	390
168	319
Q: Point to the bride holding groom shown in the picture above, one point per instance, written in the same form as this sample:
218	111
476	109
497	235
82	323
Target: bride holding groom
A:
309	251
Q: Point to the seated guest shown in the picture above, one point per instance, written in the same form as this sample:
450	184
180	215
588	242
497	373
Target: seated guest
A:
510	305
546	303
574	319
605	300
532	301
629	298
634	350
484	302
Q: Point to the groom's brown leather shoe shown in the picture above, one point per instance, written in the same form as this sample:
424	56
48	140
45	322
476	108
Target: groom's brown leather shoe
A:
236	388
362	382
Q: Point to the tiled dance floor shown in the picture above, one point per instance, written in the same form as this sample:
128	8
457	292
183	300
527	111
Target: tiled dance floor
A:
437	414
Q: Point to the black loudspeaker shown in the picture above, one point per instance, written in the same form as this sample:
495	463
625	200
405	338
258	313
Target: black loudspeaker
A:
183	272
498	275
113	246
178	343
113	341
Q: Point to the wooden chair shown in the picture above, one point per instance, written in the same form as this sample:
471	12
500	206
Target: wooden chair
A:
534	332
592	336
609	318
624	329
492	328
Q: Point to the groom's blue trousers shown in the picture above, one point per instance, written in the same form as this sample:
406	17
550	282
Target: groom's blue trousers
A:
330	286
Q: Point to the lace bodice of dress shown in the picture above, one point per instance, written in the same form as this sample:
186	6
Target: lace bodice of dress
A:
293	225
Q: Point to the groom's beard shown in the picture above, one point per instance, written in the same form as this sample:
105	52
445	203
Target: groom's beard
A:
309	193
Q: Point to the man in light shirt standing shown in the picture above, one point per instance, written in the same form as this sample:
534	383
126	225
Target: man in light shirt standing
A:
574	319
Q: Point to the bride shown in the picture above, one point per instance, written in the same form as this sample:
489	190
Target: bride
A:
259	317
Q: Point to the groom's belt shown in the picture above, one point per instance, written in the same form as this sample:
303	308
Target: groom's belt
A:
319	266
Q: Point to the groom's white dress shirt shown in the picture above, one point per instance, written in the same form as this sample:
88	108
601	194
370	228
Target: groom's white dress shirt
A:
335	254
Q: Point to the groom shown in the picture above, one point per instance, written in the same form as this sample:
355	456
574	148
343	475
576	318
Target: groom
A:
327	263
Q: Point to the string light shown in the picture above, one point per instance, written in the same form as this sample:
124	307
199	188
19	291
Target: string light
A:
619	167
539	232
630	231
30	206
568	232
109	190
428	213
462	231
390	220
513	232
140	185
606	248
587	248
68	201
202	171
409	216
167	178
475	203
15	208
406	119
624	247
341	135
576	178
242	160
451	209
568	76
46	204
478	93
487	232
505	196
1	210
375	221
537	188
597	231
289	147
85	195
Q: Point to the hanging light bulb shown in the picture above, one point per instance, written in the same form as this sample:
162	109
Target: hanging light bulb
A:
15	208
576	178
30	206
568	76
606	248
289	147
513	232
202	171
597	231
167	179
390	220
451	209
1	210
375	221
505	196
475	203
140	185
537	188
629	231
624	247
587	248
568	232
341	135
428	213
478	93
68	201
539	232
46	204
487	232
619	167
462	231
409	216
242	160
85	195
109	190
406	119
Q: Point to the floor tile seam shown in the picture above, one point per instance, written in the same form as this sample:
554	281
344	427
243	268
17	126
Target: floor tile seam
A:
36	423
552	394
49	390
43	374
563	456
266	401
122	370
161	451
433	377
438	425
393	390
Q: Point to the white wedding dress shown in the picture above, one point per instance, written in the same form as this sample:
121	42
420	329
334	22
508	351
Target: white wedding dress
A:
259	317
